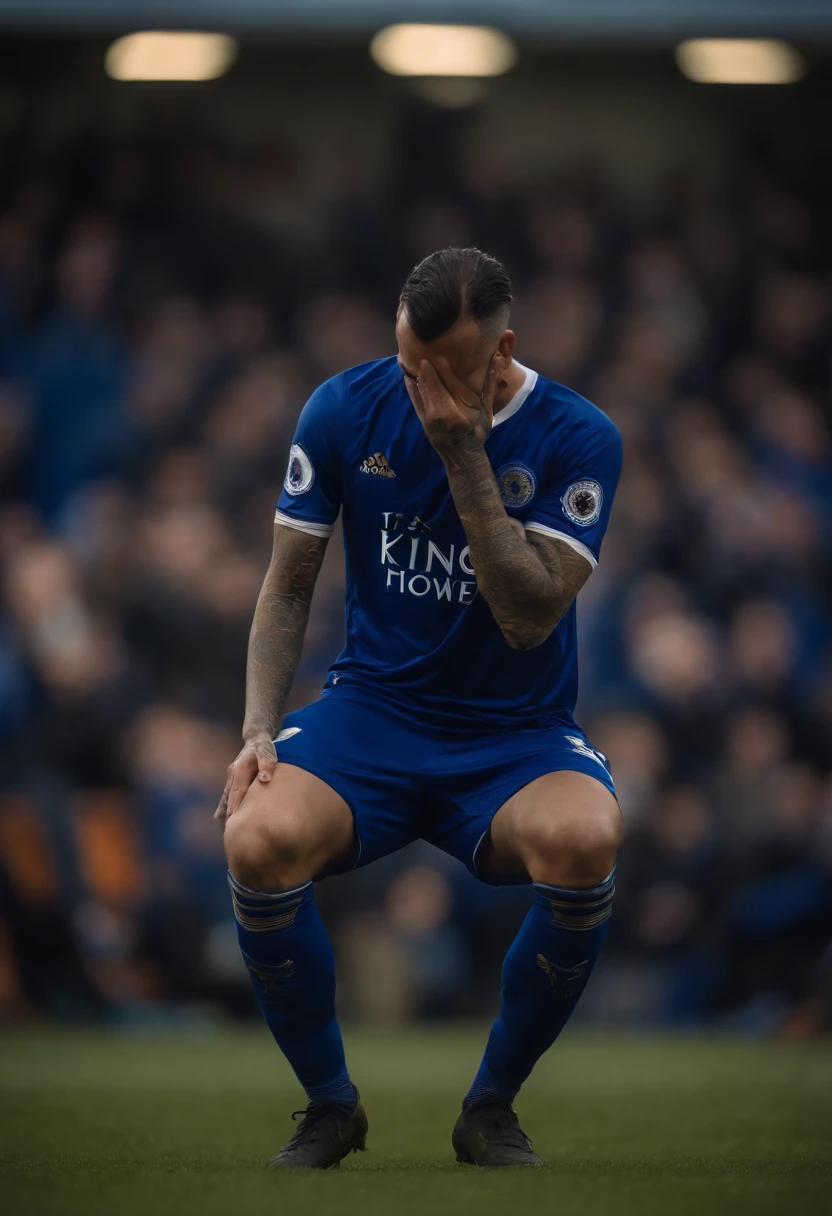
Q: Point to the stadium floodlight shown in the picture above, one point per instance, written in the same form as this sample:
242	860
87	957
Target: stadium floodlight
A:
170	55
740	61
443	50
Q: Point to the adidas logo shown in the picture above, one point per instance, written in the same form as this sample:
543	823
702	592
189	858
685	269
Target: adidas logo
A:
377	465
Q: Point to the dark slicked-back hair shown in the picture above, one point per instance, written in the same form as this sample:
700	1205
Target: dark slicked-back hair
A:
454	283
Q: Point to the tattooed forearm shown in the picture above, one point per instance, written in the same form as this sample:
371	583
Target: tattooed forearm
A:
277	633
528	579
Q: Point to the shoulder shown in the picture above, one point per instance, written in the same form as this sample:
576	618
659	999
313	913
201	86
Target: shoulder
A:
570	413
354	384
574	423
367	379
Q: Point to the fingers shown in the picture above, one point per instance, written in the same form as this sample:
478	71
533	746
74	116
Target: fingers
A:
258	763
444	407
266	762
437	407
429	385
453	385
243	772
415	398
222	806
448	409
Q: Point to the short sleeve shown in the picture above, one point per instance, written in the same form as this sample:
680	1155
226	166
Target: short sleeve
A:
311	497
576	505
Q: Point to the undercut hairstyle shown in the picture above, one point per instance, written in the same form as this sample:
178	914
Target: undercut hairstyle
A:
455	283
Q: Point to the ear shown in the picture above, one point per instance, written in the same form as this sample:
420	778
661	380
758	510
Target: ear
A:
505	349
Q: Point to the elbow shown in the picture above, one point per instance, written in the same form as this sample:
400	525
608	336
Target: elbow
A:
527	637
531	632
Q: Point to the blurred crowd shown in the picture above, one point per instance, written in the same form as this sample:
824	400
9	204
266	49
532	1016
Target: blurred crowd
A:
168	300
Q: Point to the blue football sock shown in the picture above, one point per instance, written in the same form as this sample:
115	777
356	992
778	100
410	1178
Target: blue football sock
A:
292	967
544	974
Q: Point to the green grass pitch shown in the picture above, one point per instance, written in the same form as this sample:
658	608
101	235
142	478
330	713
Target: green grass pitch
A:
131	1125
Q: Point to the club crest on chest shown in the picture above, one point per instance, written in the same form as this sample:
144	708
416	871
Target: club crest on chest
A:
516	483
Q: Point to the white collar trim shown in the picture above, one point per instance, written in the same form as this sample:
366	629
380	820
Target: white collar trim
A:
519	397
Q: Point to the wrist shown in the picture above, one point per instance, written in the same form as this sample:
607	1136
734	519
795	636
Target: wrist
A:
258	733
462	450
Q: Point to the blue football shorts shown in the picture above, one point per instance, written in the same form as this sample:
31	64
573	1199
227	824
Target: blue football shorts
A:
404	780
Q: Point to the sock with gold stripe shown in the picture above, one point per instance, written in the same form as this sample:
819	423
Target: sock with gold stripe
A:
544	974
292	968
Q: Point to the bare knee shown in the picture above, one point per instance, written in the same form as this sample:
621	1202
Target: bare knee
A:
574	850
287	832
268	853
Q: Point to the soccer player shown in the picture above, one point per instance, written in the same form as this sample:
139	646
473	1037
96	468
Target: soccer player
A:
475	495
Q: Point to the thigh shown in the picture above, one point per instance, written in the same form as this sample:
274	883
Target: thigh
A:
553	811
476	777
369	758
300	812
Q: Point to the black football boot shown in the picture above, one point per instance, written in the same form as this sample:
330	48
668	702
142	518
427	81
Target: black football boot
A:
488	1133
328	1132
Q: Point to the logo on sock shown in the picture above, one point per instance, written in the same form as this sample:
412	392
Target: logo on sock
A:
274	979
565	981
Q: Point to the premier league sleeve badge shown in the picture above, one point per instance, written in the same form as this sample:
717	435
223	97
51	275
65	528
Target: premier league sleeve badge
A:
300	473
582	503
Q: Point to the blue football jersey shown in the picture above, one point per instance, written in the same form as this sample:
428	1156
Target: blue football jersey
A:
418	634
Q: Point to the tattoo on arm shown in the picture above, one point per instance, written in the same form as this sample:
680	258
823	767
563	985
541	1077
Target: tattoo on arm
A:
568	569
528	579
279	625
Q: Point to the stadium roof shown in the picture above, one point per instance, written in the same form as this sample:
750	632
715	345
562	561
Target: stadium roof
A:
585	20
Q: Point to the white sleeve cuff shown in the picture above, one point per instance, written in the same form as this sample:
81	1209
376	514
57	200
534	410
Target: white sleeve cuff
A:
304	525
567	539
